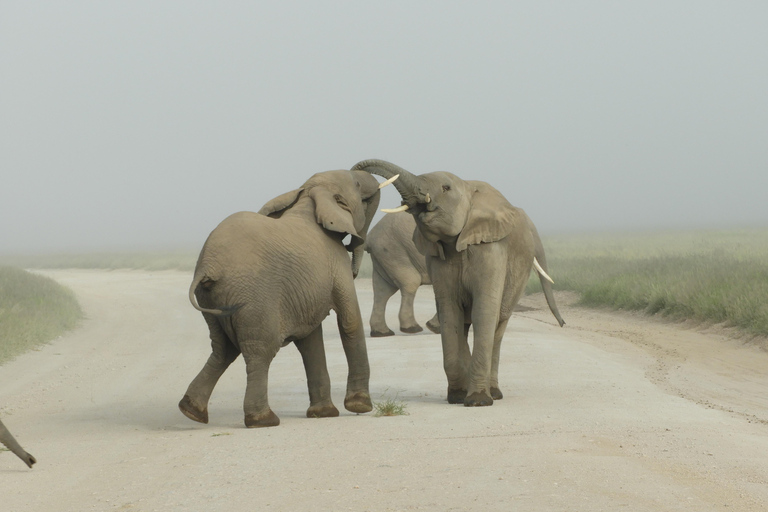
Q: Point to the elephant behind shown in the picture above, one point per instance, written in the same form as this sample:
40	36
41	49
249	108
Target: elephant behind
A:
7	439
480	251
264	280
397	265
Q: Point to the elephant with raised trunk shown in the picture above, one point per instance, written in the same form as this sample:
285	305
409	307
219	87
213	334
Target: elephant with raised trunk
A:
397	265
480	251
7	439
266	279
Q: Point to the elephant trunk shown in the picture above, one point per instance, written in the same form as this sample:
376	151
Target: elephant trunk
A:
407	184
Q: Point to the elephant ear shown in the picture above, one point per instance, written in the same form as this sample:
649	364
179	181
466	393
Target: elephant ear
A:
331	212
490	218
426	247
277	206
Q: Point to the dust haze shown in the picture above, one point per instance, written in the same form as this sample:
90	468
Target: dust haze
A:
141	125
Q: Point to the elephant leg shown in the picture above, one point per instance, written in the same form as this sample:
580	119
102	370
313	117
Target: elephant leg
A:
312	351
433	324
485	321
258	356
456	354
382	291
8	440
194	405
406	317
358	397
496	393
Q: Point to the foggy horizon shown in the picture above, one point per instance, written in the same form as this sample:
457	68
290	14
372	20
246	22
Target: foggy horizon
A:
142	125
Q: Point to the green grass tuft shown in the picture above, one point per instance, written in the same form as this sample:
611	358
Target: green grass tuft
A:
390	407
34	309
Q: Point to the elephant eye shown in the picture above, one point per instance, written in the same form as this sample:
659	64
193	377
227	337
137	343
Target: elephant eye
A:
446	188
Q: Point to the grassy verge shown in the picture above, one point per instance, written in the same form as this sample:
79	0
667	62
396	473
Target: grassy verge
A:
707	276
165	260
33	310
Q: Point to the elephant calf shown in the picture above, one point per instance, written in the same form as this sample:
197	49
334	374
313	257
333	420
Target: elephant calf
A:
397	265
7	439
266	279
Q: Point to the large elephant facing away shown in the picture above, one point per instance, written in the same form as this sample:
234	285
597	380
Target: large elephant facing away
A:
7	439
397	265
480	251
266	279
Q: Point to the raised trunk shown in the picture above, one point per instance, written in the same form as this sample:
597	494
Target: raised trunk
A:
407	184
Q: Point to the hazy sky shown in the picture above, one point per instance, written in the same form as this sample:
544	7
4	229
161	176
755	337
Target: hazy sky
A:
143	124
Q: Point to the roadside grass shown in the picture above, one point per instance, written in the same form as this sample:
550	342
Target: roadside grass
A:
149	260
34	309
705	276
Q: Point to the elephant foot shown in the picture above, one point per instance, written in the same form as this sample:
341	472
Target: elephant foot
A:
435	328
358	403
496	393
322	411
381	334
192	411
456	396
268	419
412	329
478	399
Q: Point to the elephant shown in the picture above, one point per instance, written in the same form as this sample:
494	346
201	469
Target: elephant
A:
7	439
266	279
480	251
397	265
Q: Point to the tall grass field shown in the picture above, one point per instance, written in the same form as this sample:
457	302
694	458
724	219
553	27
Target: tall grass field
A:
706	276
33	310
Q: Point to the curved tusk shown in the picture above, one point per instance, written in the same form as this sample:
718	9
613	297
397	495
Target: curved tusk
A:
400	208
427	199
389	181
541	270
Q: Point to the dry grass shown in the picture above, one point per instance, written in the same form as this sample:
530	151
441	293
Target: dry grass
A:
706	276
33	310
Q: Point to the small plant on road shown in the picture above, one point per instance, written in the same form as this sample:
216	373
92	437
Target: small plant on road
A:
390	407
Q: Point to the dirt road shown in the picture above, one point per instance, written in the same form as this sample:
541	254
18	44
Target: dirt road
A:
611	412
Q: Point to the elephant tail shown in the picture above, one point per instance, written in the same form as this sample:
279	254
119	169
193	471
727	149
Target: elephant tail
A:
202	279
540	264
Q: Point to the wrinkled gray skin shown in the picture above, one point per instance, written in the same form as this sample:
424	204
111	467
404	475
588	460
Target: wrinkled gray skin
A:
480	252
7	439
397	265
266	279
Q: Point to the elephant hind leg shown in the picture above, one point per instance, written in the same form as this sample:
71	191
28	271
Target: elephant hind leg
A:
312	351
496	393
406	317
194	405
382	291
433	324
258	356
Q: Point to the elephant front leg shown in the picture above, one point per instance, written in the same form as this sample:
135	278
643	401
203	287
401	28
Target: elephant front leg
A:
194	405
456	354
485	321
358	398
258	356
312	351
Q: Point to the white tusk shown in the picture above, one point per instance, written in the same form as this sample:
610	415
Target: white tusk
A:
427	200
400	208
541	270
389	181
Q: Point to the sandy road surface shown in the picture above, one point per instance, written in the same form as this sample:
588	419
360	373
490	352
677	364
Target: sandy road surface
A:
612	412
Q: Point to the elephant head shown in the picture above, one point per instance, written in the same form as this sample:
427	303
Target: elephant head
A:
447	209
345	203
